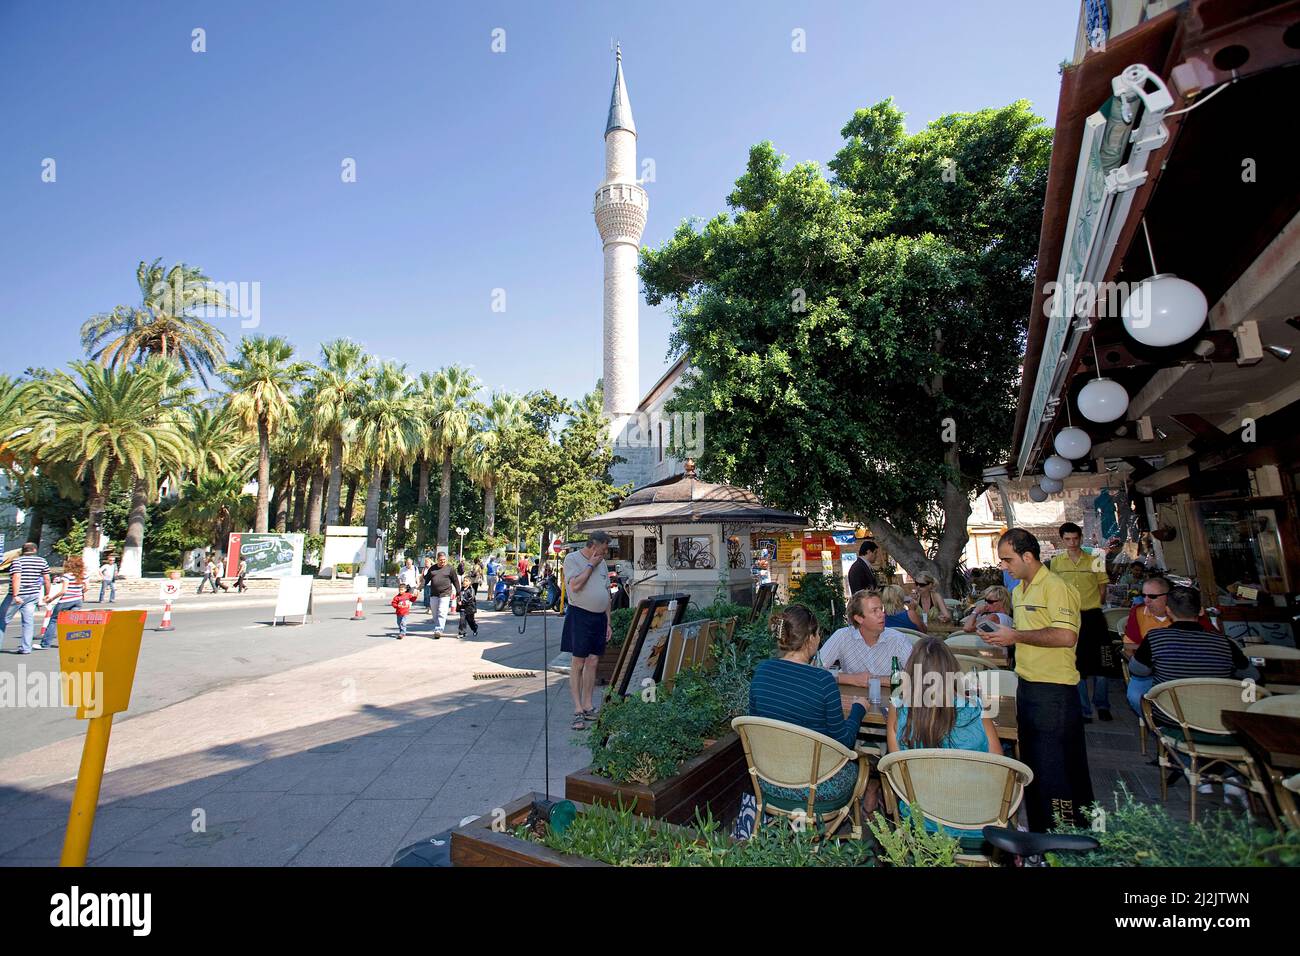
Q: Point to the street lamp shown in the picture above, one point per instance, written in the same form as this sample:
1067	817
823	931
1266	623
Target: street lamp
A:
462	532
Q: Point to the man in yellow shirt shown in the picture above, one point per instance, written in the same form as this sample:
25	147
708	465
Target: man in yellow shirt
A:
1086	573
1048	712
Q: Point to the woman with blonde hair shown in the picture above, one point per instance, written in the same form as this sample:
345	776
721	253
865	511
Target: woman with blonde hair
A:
65	595
899	612
931	601
994	605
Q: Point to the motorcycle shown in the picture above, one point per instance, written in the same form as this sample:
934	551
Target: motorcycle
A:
529	598
618	595
501	595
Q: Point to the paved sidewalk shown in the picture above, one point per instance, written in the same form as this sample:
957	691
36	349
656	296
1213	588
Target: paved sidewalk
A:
339	762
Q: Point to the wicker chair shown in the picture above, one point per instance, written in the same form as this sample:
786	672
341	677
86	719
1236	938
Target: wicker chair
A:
970	664
911	634
1289	786
1276	652
1142	726
1195	706
1116	618
1282	705
787	755
963	789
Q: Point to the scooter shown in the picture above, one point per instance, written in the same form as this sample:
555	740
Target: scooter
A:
618	596
529	598
501	595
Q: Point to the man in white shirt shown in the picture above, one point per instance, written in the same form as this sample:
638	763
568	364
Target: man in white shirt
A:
586	621
866	649
108	579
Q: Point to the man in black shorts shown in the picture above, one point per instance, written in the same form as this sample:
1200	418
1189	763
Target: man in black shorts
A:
586	621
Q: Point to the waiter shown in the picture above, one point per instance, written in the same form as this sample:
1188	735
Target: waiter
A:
1086	573
1048	711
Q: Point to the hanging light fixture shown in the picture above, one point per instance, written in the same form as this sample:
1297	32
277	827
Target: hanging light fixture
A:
1037	494
1164	309
1071	442
1057	467
1051	485
1102	399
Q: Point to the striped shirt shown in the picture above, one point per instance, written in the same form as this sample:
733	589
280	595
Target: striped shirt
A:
1185	650
73	588
31	569
847	648
808	696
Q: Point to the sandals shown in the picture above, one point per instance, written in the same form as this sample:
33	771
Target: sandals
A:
579	722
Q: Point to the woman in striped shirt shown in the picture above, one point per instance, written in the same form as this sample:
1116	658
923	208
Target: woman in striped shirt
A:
66	595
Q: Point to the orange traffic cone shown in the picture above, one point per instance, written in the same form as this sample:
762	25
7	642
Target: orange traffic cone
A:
166	624
360	615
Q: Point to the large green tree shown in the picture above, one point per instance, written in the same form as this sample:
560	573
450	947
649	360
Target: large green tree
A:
450	413
390	430
262	379
334	397
854	342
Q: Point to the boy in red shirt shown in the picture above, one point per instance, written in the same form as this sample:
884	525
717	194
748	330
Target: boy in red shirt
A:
402	605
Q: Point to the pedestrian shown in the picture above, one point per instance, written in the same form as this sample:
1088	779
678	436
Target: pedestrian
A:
468	606
862	576
29	581
214	577
426	579
241	583
586	621
523	569
108	579
479	572
493	569
1086	573
1048	711
66	594
408	576
401	603
445	583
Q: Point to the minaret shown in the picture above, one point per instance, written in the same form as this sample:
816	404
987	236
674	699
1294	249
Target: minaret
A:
620	208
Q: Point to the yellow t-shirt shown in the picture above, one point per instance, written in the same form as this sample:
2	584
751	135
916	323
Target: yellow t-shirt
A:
1046	601
1083	575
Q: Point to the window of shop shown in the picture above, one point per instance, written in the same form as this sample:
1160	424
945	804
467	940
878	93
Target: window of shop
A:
1245	547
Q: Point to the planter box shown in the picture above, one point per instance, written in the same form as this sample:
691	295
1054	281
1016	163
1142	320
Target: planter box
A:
477	844
712	780
608	661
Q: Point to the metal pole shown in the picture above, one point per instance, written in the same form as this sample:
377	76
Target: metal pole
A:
81	818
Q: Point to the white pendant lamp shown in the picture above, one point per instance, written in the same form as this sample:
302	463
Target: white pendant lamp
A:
1037	494
1057	467
1050	485
1164	309
1072	443
1102	399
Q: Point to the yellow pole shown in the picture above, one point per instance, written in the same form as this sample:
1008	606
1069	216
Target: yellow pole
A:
81	818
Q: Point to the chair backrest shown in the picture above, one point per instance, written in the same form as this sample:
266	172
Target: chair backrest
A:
911	634
1283	705
1199	702
1116	618
788	755
959	788
1273	652
970	664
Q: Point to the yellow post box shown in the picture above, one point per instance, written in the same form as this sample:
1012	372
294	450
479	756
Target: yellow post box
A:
98	651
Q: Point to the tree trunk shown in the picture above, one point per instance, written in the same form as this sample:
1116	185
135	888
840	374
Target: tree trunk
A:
336	482
444	502
263	522
299	500
37	518
910	554
489	508
372	508
422	499
133	546
282	508
313	502
352	497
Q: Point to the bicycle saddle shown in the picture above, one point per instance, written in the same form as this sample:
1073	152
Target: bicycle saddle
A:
1022	843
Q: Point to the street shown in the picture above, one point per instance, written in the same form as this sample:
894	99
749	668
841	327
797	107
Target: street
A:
329	743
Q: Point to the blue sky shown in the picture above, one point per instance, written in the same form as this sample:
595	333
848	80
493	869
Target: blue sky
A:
475	169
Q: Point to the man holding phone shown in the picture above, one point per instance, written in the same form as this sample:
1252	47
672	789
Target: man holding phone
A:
1048	710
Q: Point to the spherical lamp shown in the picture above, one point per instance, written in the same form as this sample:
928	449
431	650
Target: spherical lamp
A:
1057	467
1037	494
1051	485
1073	443
1164	310
1103	400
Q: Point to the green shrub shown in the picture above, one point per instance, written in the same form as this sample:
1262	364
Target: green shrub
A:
1145	834
312	546
621	838
638	741
910	844
824	596
72	542
344	569
619	622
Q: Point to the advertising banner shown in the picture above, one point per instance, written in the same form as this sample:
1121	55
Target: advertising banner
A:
268	555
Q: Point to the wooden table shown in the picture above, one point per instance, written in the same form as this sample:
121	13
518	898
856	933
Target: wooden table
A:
1274	741
1278	671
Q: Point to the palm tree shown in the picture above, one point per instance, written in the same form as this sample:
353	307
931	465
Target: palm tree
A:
335	391
12	395
389	430
449	420
216	499
218	442
261	382
502	414
161	325
110	422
